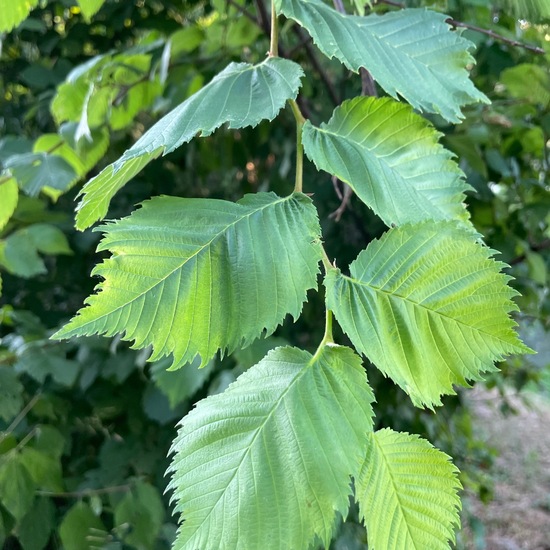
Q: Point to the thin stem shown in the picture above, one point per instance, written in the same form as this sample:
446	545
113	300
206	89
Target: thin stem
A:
85	492
20	417
328	338
300	120
326	261
487	32
496	36
274	44
25	440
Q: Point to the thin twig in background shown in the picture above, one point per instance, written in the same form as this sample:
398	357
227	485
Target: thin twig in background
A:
475	28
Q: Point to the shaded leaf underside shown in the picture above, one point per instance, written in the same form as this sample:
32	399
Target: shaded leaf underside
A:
411	53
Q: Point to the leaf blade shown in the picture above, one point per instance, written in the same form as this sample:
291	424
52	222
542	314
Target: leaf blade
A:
228	98
195	255
437	80
14	12
273	431
425	318
391	158
407	493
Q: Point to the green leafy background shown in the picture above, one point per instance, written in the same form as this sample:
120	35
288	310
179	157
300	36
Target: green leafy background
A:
86	424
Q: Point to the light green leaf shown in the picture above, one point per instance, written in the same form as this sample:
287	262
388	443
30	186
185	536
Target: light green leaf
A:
16	486
533	10
391	158
9	195
44	468
529	82
428	306
90	7
407	493
78	527
411	53
14	12
11	393
267	463
98	192
191	276
241	95
143	512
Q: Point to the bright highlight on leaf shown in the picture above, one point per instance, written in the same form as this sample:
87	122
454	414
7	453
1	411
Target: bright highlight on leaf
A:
13	12
391	158
191	276
267	464
407	493
9	196
90	7
411	53
428	306
241	95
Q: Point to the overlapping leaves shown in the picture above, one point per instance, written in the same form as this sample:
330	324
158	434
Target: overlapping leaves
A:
392	160
428	305
241	95
407	493
191	276
267	464
411	53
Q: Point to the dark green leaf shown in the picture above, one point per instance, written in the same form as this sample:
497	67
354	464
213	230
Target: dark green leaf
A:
11	394
16	486
241	95
36	527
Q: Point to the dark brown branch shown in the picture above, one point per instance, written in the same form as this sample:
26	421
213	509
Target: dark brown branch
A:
475	28
316	65
496	36
245	12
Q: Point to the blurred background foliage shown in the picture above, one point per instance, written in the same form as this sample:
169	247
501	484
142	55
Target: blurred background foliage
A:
85	426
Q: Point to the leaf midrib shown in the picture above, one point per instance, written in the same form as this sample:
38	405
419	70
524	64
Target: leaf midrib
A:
360	283
180	266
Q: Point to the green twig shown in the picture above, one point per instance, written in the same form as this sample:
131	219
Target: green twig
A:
20	417
300	120
85	492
